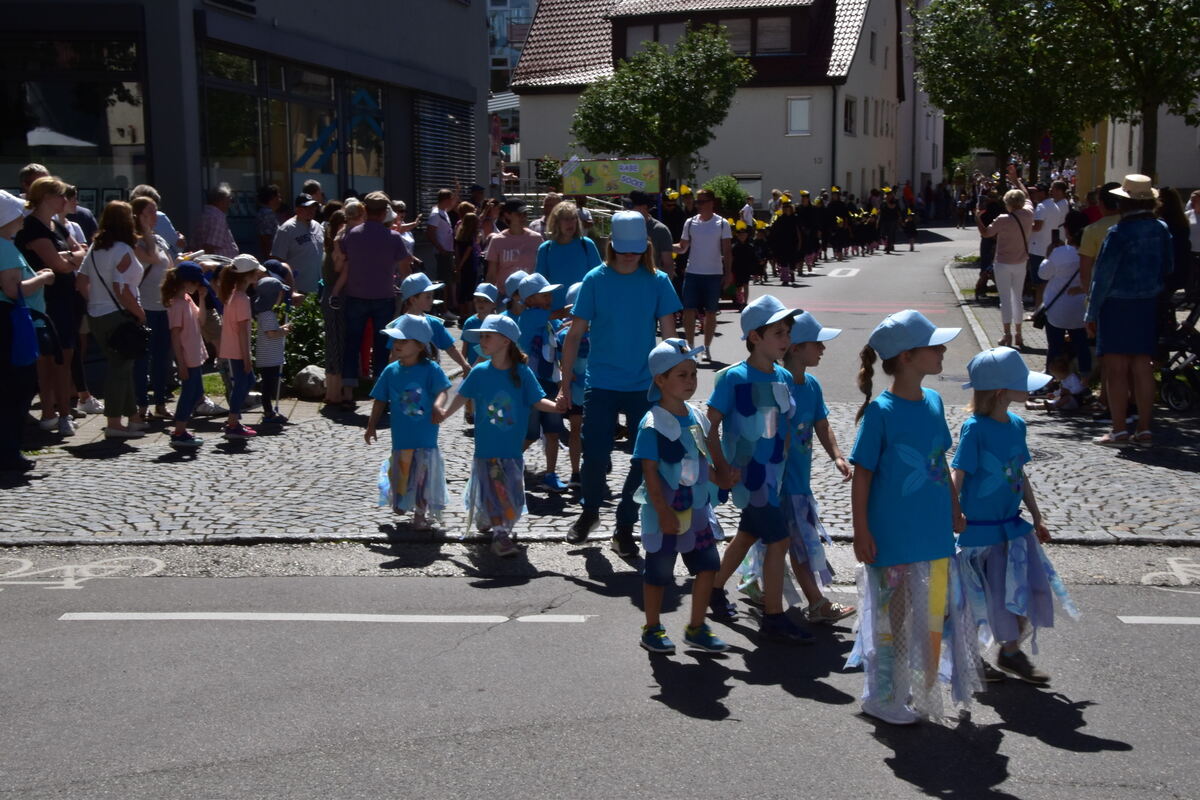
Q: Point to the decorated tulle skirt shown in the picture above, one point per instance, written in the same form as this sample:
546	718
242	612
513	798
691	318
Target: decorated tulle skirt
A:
414	480
1009	580
495	496
915	636
698	527
807	538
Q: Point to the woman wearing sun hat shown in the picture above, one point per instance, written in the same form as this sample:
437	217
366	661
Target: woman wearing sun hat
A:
1127	278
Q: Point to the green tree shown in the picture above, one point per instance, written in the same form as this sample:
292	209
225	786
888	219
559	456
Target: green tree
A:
661	102
729	193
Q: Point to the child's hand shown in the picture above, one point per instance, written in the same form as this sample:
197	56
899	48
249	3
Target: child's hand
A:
727	477
437	416
563	402
370	435
864	547
249	368
286	327
1042	533
958	521
843	467
183	371
668	522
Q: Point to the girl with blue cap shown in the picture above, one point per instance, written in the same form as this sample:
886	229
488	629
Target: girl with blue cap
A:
1010	583
574	413
416	297
411	387
677	496
504	391
539	342
905	517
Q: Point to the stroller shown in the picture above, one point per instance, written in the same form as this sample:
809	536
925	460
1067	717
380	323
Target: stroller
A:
1179	352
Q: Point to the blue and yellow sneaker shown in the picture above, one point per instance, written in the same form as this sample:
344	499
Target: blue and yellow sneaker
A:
654	639
702	636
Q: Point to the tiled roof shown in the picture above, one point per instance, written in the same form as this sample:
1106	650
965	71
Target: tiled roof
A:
569	44
847	29
633	8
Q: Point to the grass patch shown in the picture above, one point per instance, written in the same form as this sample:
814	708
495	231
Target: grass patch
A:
971	259
213	386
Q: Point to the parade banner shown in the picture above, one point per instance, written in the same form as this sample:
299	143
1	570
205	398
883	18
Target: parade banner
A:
611	176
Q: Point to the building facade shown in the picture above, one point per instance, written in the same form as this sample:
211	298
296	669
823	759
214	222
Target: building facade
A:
186	94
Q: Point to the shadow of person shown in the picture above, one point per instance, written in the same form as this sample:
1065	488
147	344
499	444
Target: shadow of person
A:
963	762
105	448
603	580
1049	716
694	689
412	555
798	669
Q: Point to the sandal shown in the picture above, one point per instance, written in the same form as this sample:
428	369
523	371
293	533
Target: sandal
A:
1113	439
1019	342
828	611
1004	341
1143	439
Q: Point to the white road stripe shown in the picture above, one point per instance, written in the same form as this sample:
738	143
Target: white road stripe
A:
258	616
1160	620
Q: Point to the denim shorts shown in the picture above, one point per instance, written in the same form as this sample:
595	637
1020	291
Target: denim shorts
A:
765	523
701	292
543	422
658	569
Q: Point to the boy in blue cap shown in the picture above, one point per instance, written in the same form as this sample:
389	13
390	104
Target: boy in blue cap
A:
751	405
416	297
539	342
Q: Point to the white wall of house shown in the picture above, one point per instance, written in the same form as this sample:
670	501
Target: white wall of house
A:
546	124
921	125
867	143
1178	151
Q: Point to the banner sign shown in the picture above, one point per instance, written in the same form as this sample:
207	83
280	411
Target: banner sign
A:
599	176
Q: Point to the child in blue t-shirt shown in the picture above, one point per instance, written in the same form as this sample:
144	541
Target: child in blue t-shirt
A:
1010	583
539	342
752	406
411	387
487	301
574	415
905	516
806	550
505	391
416	297
676	497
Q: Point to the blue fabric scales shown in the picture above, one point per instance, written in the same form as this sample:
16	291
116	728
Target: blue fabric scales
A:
756	408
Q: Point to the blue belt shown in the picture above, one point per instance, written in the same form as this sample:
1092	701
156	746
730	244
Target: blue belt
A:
1015	518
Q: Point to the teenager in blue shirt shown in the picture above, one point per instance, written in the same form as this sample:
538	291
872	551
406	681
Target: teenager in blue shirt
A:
905	517
621	302
504	391
677	497
1009	581
411	387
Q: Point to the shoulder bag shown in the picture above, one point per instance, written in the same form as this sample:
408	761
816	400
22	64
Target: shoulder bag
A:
1038	318
131	338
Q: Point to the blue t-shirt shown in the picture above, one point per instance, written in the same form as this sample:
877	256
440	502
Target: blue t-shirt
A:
622	313
904	443
11	258
472	322
442	339
992	454
756	409
566	264
410	393
501	409
539	341
810	409
579	371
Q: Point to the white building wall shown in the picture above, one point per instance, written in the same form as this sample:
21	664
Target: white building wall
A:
921	126
1178	151
867	155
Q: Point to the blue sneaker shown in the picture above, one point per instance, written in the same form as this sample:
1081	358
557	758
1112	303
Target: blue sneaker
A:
779	628
702	636
655	640
720	606
553	483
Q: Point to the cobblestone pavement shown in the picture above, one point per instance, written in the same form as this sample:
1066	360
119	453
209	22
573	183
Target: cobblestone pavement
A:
315	480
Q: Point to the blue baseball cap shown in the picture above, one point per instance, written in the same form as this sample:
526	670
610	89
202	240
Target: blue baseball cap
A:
190	271
488	292
536	284
573	293
906	330
494	323
667	355
629	232
416	284
805	328
765	310
512	284
1003	368
410	326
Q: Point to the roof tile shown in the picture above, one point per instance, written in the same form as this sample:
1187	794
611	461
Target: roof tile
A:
847	29
569	44
632	8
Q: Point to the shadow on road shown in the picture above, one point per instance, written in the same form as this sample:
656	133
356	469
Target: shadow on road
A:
1049	716
960	762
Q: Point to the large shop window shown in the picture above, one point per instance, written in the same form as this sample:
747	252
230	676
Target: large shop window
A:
76	106
444	136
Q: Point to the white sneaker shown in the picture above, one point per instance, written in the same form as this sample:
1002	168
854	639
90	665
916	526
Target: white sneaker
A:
91	406
891	713
210	409
65	426
48	424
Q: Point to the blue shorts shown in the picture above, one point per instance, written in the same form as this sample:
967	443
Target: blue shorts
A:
701	292
658	568
765	523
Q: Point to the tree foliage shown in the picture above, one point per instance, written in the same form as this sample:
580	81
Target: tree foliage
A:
729	193
660	102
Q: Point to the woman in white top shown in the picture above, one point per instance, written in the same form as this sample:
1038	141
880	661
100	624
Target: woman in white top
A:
1064	309
155	257
111	272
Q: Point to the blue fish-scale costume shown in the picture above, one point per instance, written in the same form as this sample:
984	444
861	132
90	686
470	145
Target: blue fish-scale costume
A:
754	437
579	372
683	466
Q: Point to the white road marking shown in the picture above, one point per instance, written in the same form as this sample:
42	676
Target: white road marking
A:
259	616
1160	620
70	576
842	272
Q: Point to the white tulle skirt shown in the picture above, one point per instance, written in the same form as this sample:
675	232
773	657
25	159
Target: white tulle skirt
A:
414	480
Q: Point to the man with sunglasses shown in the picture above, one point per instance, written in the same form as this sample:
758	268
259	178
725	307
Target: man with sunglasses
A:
708	241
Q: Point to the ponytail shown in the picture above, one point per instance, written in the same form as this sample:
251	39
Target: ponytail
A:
865	373
516	359
170	286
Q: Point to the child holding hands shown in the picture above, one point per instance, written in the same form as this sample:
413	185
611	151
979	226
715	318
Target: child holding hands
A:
186	321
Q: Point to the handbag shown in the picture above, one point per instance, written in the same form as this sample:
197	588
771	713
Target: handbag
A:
131	339
1038	318
24	336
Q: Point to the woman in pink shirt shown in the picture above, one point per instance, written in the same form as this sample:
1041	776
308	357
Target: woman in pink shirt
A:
1012	255
514	249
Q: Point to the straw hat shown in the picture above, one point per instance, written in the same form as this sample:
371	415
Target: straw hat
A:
1136	187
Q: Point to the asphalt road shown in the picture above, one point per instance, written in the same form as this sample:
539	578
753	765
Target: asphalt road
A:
516	709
